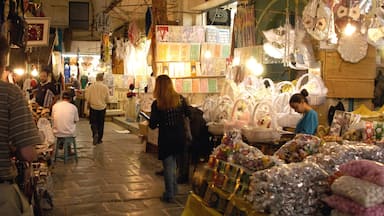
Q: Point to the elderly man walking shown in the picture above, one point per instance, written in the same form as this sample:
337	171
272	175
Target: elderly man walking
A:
97	96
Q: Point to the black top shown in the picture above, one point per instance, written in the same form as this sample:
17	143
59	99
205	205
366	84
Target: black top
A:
42	91
171	128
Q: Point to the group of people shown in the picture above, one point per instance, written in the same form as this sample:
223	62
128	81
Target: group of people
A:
168	112
19	133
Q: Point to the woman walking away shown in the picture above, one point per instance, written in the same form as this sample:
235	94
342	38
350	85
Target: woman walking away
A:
167	113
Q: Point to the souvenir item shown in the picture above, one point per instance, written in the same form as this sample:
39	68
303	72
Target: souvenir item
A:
352	48
316	19
286	117
262	126
317	91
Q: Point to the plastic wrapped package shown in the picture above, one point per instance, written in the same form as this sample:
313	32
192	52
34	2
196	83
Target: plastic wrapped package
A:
230	142
331	154
299	148
254	160
345	206
365	193
289	189
364	169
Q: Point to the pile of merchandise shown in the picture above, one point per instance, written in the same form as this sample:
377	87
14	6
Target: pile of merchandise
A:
358	189
293	181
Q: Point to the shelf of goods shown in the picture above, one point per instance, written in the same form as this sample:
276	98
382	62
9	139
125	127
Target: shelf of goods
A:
38	183
240	180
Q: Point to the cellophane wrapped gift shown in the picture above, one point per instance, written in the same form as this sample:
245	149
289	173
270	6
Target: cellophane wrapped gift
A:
289	189
367	170
253	159
331	154
299	148
363	192
230	142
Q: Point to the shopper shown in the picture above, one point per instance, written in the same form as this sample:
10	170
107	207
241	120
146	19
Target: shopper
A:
309	122
46	93
167	113
65	116
97	96
19	135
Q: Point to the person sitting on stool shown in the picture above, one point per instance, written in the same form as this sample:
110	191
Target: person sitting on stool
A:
65	116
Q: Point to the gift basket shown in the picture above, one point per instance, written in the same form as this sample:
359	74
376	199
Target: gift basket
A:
262	126
315	87
240	115
219	113
216	110
286	117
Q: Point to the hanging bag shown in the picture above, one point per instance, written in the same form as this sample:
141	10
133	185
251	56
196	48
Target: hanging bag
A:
18	30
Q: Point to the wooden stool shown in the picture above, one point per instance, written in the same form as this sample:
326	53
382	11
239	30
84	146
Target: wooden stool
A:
66	143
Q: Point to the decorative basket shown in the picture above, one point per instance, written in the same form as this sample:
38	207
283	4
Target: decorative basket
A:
285	115
317	92
215	128
238	121
261	130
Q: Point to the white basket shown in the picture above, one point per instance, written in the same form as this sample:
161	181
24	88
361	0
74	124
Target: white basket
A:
285	115
216	129
235	123
256	133
314	99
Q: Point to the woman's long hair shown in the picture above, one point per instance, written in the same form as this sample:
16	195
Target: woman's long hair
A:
165	94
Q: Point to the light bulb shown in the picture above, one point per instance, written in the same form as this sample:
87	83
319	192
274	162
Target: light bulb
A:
236	61
34	72
207	54
349	29
19	71
255	67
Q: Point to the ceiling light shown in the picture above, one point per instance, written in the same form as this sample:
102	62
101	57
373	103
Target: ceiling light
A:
19	71
349	29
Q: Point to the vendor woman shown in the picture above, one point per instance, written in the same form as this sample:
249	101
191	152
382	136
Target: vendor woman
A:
309	122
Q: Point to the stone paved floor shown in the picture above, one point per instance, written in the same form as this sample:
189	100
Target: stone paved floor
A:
114	178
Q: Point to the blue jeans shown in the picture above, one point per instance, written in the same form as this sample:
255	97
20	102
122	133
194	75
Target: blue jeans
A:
169	164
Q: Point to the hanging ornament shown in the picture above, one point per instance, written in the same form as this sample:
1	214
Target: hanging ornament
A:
316	19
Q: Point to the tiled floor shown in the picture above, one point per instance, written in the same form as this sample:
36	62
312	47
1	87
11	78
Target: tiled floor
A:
113	178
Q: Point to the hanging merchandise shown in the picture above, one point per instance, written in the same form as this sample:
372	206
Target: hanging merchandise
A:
376	28
104	52
103	23
316	19
352	48
244	26
349	16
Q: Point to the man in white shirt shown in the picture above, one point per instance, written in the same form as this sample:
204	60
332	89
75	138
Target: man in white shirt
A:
65	116
97	96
